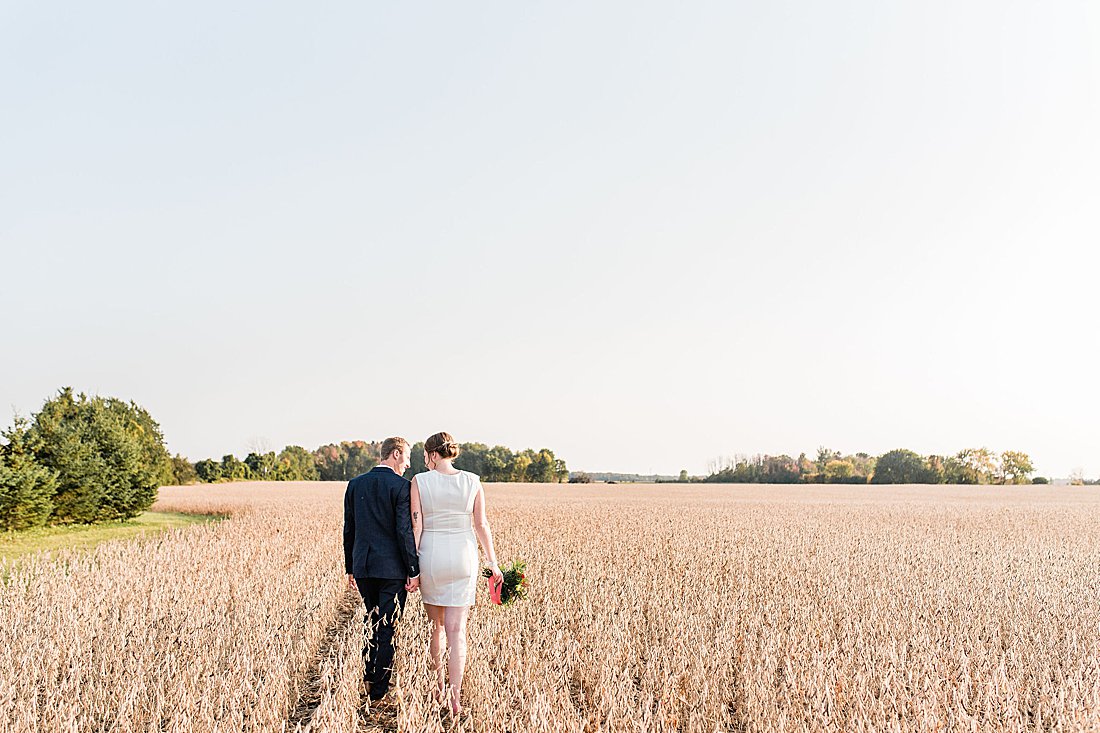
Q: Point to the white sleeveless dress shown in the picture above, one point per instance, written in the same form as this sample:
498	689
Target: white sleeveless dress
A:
448	547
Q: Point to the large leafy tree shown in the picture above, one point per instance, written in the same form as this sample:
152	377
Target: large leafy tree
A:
472	458
498	464
863	465
839	471
208	470
1016	468
330	460
779	470
937	471
347	460
520	463
234	469
261	466
362	457
901	467
970	466
295	463
108	455
26	488
542	468
824	455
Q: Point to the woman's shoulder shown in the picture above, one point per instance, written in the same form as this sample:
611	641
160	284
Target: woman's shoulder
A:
470	475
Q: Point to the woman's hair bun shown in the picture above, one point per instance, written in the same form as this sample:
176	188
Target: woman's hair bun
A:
443	445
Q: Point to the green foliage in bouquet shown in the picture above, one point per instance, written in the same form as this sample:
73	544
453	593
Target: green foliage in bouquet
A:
515	581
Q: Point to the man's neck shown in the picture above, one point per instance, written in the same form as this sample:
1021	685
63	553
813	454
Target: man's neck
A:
390	465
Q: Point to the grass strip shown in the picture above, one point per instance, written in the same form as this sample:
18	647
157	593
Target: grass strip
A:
14	545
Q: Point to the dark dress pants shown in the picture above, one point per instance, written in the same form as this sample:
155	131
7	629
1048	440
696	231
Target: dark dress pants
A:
384	599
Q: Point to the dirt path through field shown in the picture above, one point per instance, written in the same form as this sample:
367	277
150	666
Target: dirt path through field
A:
378	720
346	614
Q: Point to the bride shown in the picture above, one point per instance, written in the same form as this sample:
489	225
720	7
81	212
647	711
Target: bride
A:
448	510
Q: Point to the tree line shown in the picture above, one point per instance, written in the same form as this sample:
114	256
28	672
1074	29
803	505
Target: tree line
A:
345	460
86	459
900	466
83	459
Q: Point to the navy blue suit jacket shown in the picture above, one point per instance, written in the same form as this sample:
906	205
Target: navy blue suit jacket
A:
378	536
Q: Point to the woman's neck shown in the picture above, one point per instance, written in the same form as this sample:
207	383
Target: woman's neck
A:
444	465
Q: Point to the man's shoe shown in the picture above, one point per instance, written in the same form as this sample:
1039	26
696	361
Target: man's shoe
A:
384	705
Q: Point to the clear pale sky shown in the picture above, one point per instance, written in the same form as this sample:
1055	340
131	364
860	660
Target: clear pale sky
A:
642	234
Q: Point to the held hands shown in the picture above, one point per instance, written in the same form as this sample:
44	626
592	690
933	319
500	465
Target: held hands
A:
411	584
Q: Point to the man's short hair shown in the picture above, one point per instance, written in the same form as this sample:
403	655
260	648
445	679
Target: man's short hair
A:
389	445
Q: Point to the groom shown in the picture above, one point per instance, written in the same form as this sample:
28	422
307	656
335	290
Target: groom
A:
380	555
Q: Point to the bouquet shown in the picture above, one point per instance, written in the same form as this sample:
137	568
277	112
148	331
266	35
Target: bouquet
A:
514	586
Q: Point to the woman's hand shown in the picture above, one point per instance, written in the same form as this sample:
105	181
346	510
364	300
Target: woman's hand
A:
497	577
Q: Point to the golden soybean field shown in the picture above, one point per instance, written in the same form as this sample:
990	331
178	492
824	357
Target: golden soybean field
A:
652	608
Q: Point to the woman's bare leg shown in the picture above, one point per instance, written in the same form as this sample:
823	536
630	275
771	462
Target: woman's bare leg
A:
435	647
454	621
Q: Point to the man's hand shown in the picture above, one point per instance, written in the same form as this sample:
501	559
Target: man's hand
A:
351	582
412	584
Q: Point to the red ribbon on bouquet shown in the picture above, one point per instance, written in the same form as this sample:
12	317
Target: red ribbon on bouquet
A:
495	589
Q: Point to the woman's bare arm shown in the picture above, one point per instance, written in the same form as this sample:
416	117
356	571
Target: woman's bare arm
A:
414	508
481	526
